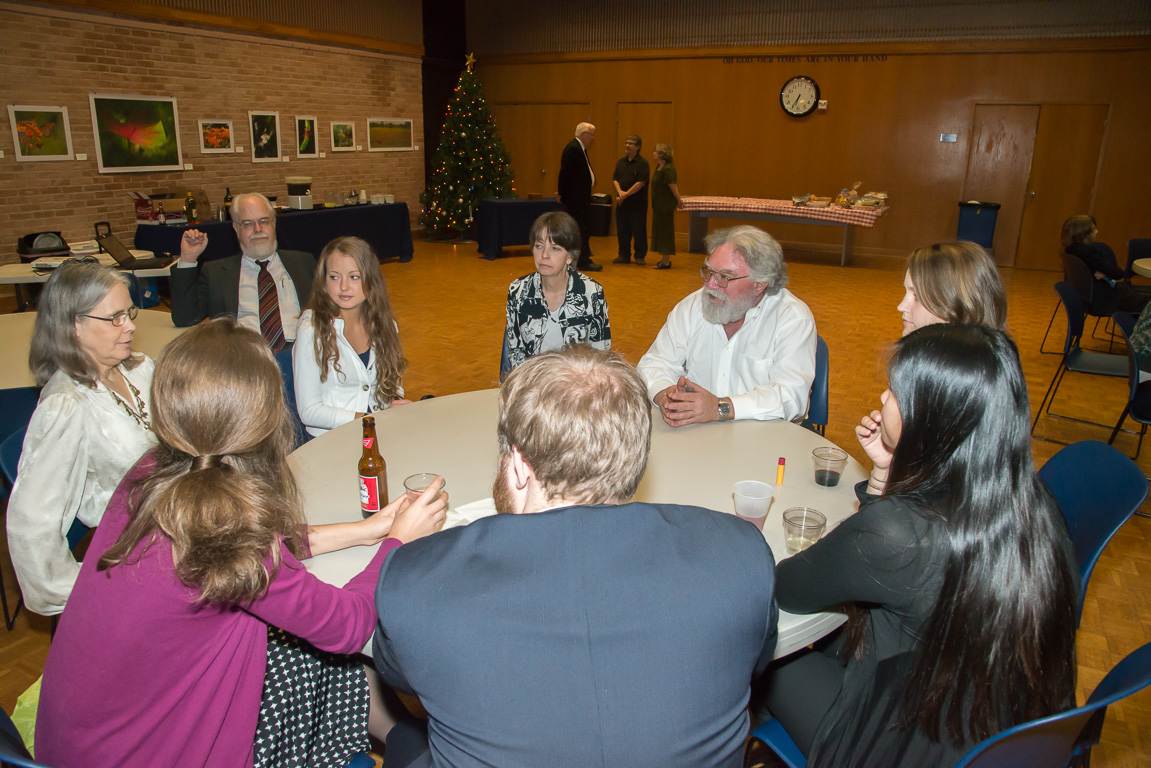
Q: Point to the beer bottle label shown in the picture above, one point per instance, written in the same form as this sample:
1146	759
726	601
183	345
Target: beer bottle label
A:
369	494
368	442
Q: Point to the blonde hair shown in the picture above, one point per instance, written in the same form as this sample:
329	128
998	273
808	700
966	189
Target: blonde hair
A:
379	322
221	491
959	283
581	419
665	151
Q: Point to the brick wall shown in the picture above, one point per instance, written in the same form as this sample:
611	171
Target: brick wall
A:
57	58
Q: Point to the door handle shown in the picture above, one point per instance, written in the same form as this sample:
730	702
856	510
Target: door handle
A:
1031	193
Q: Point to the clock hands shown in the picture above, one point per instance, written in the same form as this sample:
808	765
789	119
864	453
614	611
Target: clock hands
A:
795	103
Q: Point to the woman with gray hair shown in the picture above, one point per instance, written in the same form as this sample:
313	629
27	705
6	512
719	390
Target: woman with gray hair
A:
90	426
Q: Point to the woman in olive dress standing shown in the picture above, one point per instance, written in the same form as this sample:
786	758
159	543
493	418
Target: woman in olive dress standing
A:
664	201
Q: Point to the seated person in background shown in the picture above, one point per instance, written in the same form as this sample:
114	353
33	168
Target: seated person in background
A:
576	624
952	283
160	657
958	575
1111	293
555	305
742	346
347	359
91	425
262	287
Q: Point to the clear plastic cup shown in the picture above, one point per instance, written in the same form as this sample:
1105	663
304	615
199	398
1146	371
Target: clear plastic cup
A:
802	527
752	500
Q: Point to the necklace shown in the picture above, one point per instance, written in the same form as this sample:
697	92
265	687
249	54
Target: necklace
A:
141	417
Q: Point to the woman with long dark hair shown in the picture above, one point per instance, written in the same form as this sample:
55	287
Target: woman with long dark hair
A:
957	572
160	657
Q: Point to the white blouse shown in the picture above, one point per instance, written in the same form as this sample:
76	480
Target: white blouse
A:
80	444
325	405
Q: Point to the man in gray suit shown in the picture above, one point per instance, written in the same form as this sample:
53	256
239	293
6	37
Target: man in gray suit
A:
577	628
263	287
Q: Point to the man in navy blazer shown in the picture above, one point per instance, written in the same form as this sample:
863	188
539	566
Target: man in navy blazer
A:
575	628
574	186
228	286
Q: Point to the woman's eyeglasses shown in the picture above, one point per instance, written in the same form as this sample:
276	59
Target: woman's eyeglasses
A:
119	318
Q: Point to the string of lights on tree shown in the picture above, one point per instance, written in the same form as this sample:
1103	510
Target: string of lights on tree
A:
470	164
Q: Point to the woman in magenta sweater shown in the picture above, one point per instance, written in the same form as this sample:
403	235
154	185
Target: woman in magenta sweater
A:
159	658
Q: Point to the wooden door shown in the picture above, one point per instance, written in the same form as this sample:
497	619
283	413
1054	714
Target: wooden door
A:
652	121
1068	147
998	164
535	135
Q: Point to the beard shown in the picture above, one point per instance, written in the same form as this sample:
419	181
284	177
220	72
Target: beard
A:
260	249
728	310
501	490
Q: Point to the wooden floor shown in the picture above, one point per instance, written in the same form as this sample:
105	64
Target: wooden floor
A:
450	308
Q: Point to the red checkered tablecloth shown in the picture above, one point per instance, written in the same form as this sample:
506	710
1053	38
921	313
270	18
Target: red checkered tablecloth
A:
863	217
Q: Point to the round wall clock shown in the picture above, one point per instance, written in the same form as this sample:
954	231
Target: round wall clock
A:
799	96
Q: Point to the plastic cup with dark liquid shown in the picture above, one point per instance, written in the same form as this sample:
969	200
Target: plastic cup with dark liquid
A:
829	465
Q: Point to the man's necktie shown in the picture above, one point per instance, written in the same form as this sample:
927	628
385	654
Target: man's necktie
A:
270	324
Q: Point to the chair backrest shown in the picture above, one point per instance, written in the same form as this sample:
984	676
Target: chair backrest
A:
12	750
1125	322
1139	248
1078	276
284	360
1073	309
10	449
16	407
817	407
1098	489
505	362
1053	740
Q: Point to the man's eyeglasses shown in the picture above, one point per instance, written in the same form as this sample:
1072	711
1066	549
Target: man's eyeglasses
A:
720	278
119	318
248	224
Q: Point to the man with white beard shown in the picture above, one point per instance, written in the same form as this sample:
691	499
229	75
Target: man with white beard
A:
742	346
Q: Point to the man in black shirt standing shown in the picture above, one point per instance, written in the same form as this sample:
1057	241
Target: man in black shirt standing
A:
630	179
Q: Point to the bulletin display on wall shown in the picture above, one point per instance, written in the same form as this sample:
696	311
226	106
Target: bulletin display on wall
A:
307	142
136	133
390	134
216	137
343	136
265	136
41	133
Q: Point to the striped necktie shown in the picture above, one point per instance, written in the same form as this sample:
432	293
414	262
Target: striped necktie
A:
270	324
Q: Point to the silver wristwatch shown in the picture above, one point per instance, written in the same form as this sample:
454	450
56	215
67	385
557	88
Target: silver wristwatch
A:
724	409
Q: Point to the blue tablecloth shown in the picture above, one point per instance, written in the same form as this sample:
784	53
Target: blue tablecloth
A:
508	222
387	228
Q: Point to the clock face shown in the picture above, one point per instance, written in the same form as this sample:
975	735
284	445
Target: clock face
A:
799	96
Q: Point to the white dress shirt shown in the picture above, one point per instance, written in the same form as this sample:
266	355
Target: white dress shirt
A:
248	314
766	367
80	444
325	405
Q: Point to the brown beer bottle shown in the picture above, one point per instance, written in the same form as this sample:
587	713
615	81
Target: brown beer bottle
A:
373	472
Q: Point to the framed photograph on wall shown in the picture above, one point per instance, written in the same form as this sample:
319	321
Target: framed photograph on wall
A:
307	142
343	136
216	137
390	134
136	133
41	133
265	136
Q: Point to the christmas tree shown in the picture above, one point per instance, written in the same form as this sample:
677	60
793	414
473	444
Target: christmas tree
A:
470	164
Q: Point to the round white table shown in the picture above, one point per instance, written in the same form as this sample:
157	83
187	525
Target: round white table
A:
456	436
1142	267
154	330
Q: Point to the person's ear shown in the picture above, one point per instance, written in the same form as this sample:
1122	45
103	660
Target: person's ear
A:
521	471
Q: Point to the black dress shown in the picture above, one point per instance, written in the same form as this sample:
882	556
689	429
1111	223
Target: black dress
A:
889	560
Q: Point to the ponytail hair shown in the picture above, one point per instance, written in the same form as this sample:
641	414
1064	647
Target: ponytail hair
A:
221	491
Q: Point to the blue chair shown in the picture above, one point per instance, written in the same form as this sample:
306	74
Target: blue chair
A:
505	363
12	750
816	419
16	407
284	360
1049	741
1139	248
1098	489
1076	359
1139	398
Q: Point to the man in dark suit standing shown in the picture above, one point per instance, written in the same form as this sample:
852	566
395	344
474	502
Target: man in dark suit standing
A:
263	287
577	628
575	185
